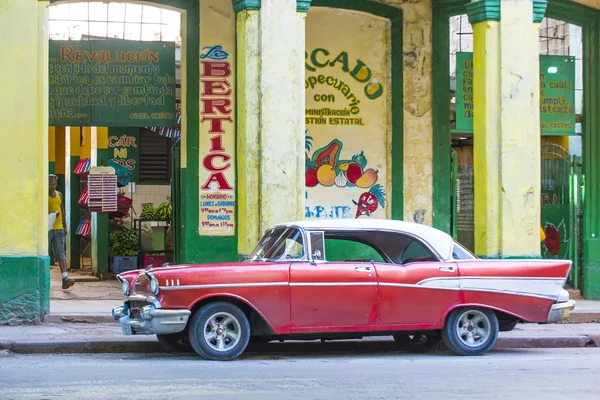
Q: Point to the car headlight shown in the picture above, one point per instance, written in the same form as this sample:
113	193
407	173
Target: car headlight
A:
125	286
154	287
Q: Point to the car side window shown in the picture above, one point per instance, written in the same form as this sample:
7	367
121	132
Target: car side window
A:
416	252
343	250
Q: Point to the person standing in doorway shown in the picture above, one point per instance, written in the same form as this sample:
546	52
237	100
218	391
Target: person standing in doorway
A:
58	234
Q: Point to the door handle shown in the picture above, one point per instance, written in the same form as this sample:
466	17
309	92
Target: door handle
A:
446	269
363	269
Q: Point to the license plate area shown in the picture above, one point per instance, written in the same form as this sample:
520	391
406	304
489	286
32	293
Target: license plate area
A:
127	330
134	313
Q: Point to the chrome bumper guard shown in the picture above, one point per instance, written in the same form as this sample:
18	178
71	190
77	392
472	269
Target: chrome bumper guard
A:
560	311
153	320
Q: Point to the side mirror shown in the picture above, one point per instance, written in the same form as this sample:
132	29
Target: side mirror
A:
317	246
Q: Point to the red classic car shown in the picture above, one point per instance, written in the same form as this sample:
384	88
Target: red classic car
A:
344	278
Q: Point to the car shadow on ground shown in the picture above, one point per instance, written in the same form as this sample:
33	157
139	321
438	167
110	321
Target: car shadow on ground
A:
276	350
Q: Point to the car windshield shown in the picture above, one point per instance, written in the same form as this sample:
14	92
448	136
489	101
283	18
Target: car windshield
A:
279	244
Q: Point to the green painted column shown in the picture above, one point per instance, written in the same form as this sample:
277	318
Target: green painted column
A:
59	157
73	191
590	269
100	260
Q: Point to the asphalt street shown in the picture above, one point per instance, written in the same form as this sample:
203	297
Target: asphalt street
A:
516	374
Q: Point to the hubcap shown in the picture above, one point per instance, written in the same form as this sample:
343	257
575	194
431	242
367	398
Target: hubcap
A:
222	332
473	328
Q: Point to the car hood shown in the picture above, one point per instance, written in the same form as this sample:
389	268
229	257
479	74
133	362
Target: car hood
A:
187	267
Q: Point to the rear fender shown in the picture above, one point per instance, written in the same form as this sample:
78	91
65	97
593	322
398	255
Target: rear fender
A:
485	306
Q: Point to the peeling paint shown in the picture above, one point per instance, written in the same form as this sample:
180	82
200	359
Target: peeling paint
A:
419	216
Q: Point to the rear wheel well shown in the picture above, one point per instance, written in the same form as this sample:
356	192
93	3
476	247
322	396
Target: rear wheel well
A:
258	325
506	322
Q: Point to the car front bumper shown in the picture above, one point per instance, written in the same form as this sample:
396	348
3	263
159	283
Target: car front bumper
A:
560	311
151	320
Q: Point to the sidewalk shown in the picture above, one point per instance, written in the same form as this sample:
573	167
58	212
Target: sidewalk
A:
53	338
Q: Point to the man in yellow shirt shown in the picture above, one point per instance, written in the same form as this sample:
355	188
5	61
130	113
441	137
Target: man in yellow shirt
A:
57	235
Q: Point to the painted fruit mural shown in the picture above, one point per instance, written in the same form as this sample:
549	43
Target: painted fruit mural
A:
368	202
326	168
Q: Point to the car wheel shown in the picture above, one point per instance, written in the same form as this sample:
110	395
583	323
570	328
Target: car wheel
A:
470	331
175	343
417	343
219	331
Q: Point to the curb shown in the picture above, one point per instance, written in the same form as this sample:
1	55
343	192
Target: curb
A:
79	318
583	318
289	348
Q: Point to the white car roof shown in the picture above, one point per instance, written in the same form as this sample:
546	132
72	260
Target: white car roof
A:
440	241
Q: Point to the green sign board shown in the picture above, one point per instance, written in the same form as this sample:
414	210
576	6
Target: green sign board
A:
124	149
464	92
557	94
112	83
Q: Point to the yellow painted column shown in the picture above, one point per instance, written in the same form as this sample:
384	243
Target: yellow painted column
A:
42	136
24	263
486	127
506	127
248	127
281	137
520	129
418	122
23	129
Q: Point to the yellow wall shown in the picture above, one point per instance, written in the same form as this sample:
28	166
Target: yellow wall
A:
85	150
23	128
562	141
365	130
75	137
102	137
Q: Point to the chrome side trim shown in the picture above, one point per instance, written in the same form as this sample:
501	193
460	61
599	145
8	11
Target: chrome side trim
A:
224	285
512	292
313	284
417	286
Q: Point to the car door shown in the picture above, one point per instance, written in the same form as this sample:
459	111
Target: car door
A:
418	290
330	296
